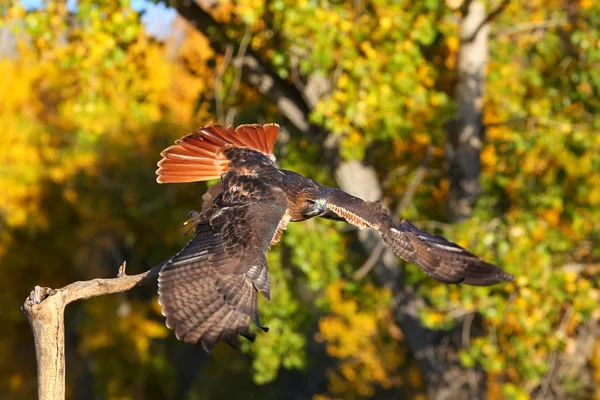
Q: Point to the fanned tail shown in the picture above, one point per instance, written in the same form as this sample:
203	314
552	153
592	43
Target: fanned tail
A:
199	156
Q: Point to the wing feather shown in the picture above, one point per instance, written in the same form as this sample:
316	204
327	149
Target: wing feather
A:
209	290
437	256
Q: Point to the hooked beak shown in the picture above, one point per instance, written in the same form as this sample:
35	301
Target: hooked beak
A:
322	205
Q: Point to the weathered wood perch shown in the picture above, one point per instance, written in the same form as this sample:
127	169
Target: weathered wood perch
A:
45	310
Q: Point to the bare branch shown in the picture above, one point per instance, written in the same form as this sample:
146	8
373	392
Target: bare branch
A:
414	183
370	263
219	83
235	86
44	309
287	97
295	73
497	11
531	26
553	357
466	329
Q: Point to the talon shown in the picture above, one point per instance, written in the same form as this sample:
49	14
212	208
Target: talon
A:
192	216
191	213
188	231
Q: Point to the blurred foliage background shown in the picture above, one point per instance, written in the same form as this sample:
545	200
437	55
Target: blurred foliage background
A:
91	91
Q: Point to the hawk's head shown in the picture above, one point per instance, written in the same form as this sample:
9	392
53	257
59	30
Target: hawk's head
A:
309	200
313	207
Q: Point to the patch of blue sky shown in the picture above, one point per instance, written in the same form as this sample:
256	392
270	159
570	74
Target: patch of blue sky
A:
157	18
30	5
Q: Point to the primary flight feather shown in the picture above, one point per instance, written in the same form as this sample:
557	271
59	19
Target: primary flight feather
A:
209	290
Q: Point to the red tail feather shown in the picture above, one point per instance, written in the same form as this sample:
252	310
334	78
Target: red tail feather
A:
199	156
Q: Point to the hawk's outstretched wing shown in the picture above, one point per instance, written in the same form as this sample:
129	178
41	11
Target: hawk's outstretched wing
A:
438	257
209	290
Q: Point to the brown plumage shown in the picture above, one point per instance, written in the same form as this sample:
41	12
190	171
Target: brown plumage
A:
209	290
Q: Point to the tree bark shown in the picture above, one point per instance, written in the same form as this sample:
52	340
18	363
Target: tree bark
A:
465	131
45	311
45	308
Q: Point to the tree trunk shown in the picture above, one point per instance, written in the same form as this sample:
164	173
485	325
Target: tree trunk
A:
45	310
465	132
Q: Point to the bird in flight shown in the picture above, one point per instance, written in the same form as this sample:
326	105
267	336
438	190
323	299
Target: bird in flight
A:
209	290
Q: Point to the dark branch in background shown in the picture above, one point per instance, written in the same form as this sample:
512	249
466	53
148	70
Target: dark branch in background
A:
45	309
486	21
287	97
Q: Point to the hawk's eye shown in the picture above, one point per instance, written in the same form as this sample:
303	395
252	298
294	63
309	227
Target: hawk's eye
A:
309	203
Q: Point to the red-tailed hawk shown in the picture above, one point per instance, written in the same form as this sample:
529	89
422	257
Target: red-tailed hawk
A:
209	290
